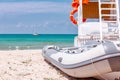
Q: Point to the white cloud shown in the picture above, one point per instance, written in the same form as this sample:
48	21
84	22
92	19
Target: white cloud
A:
33	7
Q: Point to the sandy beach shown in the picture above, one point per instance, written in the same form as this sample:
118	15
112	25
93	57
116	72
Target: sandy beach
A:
28	65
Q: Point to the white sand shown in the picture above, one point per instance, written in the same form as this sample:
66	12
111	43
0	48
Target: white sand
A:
28	65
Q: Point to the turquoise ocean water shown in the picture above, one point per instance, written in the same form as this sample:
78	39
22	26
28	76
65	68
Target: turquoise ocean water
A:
29	41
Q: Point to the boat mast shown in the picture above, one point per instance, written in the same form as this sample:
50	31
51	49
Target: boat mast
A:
80	17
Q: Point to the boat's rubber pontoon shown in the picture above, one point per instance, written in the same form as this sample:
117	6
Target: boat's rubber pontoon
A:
88	61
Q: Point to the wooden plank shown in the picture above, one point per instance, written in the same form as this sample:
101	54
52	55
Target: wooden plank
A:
91	10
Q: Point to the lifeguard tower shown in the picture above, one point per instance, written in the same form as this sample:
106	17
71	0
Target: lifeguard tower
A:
97	20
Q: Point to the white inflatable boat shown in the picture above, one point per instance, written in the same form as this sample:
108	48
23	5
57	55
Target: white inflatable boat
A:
95	59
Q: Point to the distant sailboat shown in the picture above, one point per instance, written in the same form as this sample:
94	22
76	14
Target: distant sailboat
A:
34	32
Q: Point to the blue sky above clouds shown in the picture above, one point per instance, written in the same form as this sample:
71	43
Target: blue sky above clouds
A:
42	16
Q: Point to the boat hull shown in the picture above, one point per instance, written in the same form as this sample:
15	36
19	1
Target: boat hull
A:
100	70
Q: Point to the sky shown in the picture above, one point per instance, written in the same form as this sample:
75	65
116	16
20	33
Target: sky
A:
41	16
